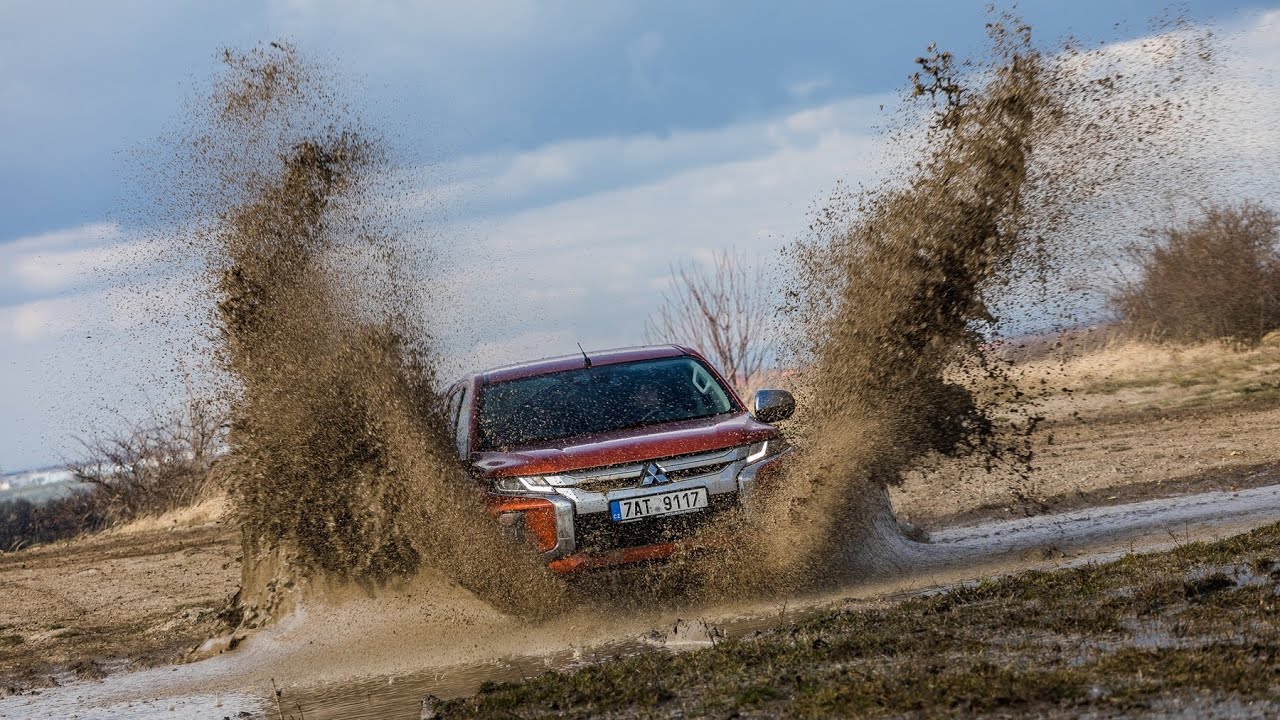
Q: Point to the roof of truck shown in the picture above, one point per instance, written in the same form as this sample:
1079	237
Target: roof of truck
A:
574	361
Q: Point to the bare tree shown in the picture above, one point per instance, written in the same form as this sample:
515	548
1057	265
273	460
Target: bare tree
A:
722	310
154	466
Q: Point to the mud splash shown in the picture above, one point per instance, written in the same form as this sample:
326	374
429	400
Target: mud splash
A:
896	295
341	469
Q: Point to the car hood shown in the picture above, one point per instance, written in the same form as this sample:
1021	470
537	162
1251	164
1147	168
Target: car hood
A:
626	446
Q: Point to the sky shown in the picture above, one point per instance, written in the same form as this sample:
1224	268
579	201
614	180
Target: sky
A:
567	152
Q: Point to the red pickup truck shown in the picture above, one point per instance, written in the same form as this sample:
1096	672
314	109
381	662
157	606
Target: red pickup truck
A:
613	457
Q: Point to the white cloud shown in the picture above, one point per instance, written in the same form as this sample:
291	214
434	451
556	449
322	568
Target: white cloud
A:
138	306
492	184
571	241
804	89
55	261
591	268
39	320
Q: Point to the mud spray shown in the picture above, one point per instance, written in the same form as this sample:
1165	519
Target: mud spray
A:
341	472
894	297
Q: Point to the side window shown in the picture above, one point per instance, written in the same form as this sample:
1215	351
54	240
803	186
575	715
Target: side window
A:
452	402
462	422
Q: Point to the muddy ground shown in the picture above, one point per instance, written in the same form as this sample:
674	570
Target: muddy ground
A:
1137	423
1188	632
134	597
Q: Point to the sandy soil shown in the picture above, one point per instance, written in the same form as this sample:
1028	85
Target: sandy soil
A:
133	597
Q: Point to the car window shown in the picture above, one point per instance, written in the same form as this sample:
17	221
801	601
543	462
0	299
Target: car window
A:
599	399
452	402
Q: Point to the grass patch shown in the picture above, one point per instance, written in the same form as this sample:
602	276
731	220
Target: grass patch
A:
1114	638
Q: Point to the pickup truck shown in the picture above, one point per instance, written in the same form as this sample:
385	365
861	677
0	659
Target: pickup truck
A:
614	457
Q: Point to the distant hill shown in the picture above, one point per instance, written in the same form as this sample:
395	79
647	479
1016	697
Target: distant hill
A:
38	486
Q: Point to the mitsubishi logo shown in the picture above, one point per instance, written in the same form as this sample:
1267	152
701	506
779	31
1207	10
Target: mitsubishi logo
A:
653	475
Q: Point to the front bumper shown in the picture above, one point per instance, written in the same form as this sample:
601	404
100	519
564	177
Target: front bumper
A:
585	537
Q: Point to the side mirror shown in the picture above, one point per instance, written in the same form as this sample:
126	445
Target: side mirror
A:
770	406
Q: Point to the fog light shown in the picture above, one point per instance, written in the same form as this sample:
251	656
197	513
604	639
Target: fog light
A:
512	525
526	519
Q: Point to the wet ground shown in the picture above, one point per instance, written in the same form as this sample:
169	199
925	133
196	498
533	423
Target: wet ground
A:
367	657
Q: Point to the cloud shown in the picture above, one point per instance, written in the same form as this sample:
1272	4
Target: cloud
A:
804	89
496	185
135	308
565	242
590	268
39	320
75	260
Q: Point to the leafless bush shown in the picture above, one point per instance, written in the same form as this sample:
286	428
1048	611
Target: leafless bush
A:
24	523
1215	278
156	466
722	311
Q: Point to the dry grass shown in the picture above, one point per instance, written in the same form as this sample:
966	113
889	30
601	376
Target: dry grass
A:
1135	364
208	511
1123	420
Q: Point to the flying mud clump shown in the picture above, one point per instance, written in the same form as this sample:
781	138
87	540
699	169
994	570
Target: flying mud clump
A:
895	297
341	469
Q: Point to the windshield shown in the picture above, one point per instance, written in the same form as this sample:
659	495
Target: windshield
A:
595	400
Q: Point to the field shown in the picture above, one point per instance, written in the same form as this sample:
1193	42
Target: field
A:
132	597
1157	632
1189	630
1123	422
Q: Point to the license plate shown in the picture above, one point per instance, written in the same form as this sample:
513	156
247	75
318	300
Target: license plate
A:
661	504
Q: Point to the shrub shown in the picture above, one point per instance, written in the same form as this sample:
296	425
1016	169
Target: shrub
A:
154	467
148	469
1215	278
23	522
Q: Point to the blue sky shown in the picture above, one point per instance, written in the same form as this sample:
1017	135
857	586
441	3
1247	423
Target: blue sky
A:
581	146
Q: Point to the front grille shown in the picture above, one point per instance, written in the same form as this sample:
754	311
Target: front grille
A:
633	479
714	469
625	476
597	533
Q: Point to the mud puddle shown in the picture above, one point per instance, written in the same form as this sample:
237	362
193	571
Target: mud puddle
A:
377	657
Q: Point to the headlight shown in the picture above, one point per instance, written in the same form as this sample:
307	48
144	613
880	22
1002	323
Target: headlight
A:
758	451
521	485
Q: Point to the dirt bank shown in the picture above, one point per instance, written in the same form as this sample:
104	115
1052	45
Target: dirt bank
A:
1122	423
135	597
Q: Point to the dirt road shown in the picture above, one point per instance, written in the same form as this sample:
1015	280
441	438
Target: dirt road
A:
128	598
365	657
